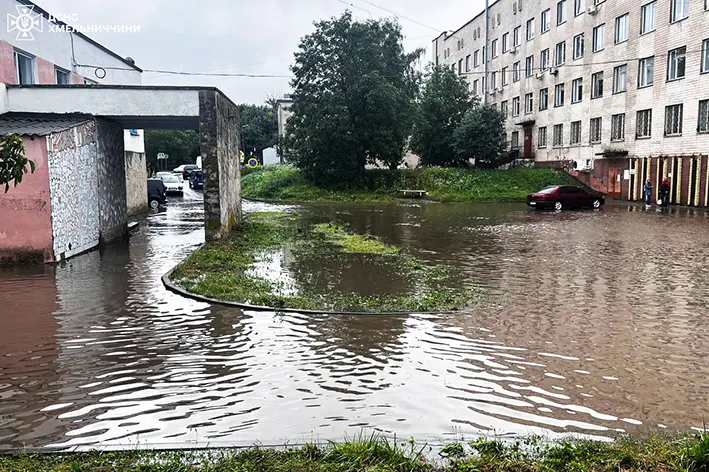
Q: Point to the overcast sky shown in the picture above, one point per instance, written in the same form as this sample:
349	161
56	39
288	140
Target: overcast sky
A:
242	36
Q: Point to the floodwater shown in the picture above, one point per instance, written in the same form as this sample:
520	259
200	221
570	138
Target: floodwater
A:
591	323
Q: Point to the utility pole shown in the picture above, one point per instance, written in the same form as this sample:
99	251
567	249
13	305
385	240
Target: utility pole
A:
487	49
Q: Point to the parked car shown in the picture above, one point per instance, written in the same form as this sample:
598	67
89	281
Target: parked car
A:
197	179
160	175
156	193
185	170
173	185
561	197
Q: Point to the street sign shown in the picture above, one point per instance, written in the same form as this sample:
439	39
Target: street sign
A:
162	156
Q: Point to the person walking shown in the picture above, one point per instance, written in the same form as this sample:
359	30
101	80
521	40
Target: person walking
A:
648	193
665	188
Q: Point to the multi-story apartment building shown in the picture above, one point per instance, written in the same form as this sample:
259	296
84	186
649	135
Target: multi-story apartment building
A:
616	88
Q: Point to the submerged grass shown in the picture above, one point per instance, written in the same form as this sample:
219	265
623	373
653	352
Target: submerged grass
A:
223	269
287	184
375	454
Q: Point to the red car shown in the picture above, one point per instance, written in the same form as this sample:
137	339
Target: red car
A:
561	197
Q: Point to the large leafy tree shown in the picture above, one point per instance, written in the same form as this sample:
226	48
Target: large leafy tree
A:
259	128
443	104
13	163
481	135
354	88
181	146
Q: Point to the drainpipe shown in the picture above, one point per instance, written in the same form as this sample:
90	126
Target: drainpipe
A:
487	47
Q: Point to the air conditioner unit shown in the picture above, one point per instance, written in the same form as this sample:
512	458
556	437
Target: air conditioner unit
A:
553	71
592	10
540	74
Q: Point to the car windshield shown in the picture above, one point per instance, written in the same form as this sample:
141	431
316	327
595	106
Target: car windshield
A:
548	190
171	179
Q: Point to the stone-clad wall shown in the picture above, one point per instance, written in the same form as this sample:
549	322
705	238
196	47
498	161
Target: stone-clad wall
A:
219	144
113	214
74	189
136	187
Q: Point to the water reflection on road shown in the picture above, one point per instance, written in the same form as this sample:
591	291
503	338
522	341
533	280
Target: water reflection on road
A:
592	322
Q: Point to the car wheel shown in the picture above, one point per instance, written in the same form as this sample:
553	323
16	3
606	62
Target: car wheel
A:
596	204
154	204
558	206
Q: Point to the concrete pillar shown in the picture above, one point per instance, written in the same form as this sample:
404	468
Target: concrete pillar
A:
219	148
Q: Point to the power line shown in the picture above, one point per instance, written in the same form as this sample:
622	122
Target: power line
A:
355	6
401	16
235	67
175	72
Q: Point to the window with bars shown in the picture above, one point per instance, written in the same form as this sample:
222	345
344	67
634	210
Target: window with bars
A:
596	130
515	72
703	117
648	18
618	127
676	60
597	85
560	54
673	120
646	72
543	99
679	10
575	132
542	138
529	66
599	38
578	46
544	59
577	90
643	124
528	103
558	138
622	28
515	140
546	14
620	78
530	29
561	12
515	106
559	95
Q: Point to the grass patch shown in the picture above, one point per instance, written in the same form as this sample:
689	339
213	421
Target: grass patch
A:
374	454
286	184
225	270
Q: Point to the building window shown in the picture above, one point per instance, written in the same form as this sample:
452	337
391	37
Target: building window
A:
559	95
505	42
705	56
679	10
515	106
62	76
546	24
24	65
515	72
620	79
577	90
578	46
515	140
597	85
460	66
467	63
561	12
575	132
542	141
579	7
503	108
560	54
618	127
675	63
673	120
505	72
528	103
543	99
599	38
648	18
544	59
646	72
476	85
622	28
493	80
530	29
515	36
558	136
643	124
476	58
703	118
596	133
494	48
529	66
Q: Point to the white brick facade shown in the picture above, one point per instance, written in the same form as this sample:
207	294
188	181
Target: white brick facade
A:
506	15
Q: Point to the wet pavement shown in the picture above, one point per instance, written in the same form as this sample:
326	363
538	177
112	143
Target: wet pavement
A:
591	323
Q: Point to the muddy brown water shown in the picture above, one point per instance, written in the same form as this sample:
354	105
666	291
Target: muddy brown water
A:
591	323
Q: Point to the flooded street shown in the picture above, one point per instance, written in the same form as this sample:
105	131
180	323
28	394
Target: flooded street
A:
590	323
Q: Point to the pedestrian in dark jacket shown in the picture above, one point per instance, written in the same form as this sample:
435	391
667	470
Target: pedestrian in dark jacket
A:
648	193
665	188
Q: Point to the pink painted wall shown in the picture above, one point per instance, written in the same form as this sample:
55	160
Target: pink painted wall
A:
7	63
46	72
25	213
76	79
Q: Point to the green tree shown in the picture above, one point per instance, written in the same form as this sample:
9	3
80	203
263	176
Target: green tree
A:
481	135
13	163
444	102
182	147
354	88
259	128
